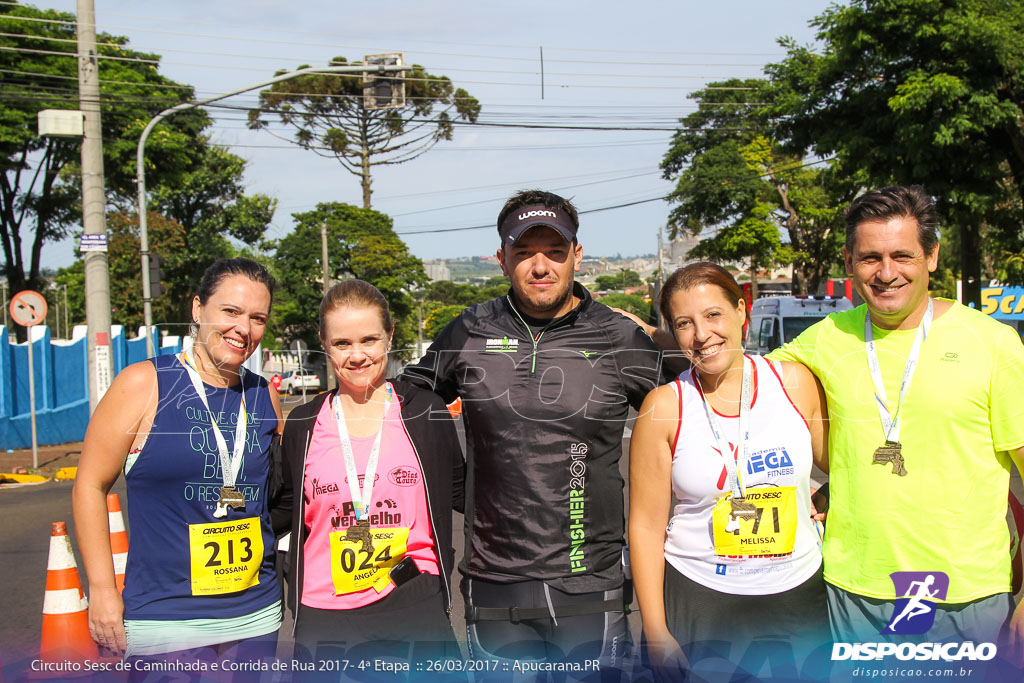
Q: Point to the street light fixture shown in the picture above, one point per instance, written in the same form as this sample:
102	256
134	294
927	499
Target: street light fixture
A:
147	298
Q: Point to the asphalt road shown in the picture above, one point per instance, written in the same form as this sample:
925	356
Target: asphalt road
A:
28	513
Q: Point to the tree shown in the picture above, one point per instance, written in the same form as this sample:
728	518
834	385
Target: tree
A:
363	245
925	92
439	317
172	310
73	277
327	113
732	177
444	292
208	203
625	278
629	302
39	189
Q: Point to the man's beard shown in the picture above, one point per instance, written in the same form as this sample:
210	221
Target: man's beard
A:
551	307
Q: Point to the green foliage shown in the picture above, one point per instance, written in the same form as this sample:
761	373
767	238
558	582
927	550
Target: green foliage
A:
497	281
40	200
326	111
72	277
619	281
209	198
171	311
449	293
629	302
209	204
733	177
361	244
926	92
438	318
442	301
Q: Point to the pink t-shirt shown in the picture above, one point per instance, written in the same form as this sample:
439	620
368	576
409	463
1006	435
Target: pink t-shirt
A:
339	572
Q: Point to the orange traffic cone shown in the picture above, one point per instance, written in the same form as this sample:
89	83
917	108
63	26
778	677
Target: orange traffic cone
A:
65	608
455	408
118	539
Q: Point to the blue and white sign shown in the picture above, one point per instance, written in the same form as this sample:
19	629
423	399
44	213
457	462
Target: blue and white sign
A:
93	243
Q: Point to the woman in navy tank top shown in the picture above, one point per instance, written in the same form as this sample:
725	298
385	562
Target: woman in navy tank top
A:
192	433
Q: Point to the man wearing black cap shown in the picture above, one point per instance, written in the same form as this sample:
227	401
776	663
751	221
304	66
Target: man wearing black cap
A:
546	376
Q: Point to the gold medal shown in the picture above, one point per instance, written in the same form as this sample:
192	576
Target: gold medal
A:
742	508
232	498
891	452
360	533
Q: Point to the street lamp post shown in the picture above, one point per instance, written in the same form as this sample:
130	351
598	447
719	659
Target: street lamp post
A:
147	307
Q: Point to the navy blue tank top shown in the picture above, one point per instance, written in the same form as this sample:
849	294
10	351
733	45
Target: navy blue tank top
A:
175	483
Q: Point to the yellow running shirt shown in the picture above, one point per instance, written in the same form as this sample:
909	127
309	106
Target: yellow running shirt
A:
963	412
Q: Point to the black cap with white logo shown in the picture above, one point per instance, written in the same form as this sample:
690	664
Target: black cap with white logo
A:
518	222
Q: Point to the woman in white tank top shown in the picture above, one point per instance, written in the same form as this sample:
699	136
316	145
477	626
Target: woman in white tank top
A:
733	439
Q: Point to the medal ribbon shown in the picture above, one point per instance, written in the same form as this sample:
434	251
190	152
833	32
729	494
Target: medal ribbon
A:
360	499
733	467
891	425
228	465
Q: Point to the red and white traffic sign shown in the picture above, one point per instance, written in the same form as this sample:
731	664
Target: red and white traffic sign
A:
28	308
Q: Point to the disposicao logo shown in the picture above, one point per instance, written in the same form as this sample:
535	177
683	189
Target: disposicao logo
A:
914	612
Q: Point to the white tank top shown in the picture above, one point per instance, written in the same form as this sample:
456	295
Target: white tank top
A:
780	456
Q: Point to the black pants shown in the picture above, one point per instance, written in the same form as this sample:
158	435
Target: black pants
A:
600	641
410	625
744	634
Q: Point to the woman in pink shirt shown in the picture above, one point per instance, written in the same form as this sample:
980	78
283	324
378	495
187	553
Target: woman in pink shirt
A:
366	480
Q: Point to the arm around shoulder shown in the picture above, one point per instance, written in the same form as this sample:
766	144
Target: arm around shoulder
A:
807	395
435	371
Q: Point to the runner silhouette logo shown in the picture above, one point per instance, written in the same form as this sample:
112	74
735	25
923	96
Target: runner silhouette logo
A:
916	595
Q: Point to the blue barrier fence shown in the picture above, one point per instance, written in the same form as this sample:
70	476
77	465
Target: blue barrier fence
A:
61	370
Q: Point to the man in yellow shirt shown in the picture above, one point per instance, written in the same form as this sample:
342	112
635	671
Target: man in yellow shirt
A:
926	414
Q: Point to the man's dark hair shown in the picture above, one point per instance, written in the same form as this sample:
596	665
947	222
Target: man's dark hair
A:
548	199
898	201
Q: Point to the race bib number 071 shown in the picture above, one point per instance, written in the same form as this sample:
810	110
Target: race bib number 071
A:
770	531
225	556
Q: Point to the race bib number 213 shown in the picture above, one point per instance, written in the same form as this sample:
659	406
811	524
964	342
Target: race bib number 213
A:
225	556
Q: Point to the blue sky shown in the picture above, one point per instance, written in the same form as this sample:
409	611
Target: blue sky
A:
627	65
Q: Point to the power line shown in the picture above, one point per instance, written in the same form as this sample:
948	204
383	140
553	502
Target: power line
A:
319	34
76	55
615	206
102	80
491	225
553	60
492	200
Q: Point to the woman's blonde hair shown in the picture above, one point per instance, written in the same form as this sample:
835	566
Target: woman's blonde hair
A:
357	294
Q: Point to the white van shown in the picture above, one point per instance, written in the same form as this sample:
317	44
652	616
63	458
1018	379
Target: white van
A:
777	320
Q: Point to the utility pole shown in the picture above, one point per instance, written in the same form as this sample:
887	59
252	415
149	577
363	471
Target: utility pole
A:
328	370
661	279
97	277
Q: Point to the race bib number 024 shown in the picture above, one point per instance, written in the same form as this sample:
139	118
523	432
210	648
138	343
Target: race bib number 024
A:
354	568
226	556
770	531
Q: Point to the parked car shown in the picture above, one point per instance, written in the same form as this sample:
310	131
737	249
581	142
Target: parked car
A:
293	381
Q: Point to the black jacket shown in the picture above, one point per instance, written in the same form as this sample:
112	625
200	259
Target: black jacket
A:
545	407
435	441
